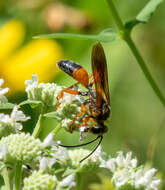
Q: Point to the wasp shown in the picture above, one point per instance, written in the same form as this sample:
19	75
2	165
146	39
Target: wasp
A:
97	106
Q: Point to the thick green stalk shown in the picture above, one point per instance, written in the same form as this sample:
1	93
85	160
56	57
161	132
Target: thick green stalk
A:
18	176
38	126
127	38
6	178
78	180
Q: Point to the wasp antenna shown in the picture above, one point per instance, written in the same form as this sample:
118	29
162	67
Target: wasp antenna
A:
79	145
101	138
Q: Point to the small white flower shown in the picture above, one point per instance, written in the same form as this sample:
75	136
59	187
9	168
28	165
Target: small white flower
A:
120	159
83	133
150	174
31	83
4	118
3	91
125	172
68	181
154	184
97	155
49	140
14	119
120	177
61	154
111	164
46	162
18	115
3	150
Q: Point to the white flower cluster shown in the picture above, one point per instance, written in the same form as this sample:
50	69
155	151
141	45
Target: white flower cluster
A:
45	92
64	109
3	91
20	147
126	173
11	123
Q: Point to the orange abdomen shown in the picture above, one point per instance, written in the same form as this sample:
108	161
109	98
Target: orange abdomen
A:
81	76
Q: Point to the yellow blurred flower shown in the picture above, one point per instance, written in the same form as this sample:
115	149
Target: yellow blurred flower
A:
38	56
11	35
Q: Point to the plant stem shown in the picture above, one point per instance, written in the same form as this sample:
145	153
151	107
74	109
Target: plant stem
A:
130	43
79	178
37	128
154	140
57	129
18	176
6	178
144	68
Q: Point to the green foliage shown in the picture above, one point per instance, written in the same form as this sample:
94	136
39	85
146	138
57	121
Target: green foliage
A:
148	10
6	106
145	14
107	35
32	103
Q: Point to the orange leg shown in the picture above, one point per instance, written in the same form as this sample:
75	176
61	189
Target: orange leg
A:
85	120
92	81
67	90
83	108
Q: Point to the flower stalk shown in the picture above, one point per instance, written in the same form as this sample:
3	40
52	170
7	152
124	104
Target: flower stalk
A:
18	176
57	129
6	178
79	180
38	126
126	36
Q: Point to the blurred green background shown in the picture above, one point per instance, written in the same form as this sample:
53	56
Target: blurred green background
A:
136	111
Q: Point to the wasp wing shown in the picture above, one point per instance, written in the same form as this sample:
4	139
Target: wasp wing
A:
100	74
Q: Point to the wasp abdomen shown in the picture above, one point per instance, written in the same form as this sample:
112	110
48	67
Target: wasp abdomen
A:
75	70
68	66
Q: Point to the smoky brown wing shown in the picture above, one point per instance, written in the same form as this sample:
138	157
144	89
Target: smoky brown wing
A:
100	74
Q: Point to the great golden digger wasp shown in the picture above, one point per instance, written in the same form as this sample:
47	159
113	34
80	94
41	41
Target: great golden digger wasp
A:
97	106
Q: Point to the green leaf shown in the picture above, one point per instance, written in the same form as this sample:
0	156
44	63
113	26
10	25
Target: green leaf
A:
2	165
32	103
5	106
144	15
148	10
105	36
52	115
68	171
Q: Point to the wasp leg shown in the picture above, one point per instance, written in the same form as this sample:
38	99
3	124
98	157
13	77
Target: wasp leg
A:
67	90
85	120
83	108
70	91
92	81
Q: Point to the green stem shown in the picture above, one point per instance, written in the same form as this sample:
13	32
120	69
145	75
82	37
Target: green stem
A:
115	15
6	178
127	38
18	176
154	141
38	126
144	69
57	129
79	180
